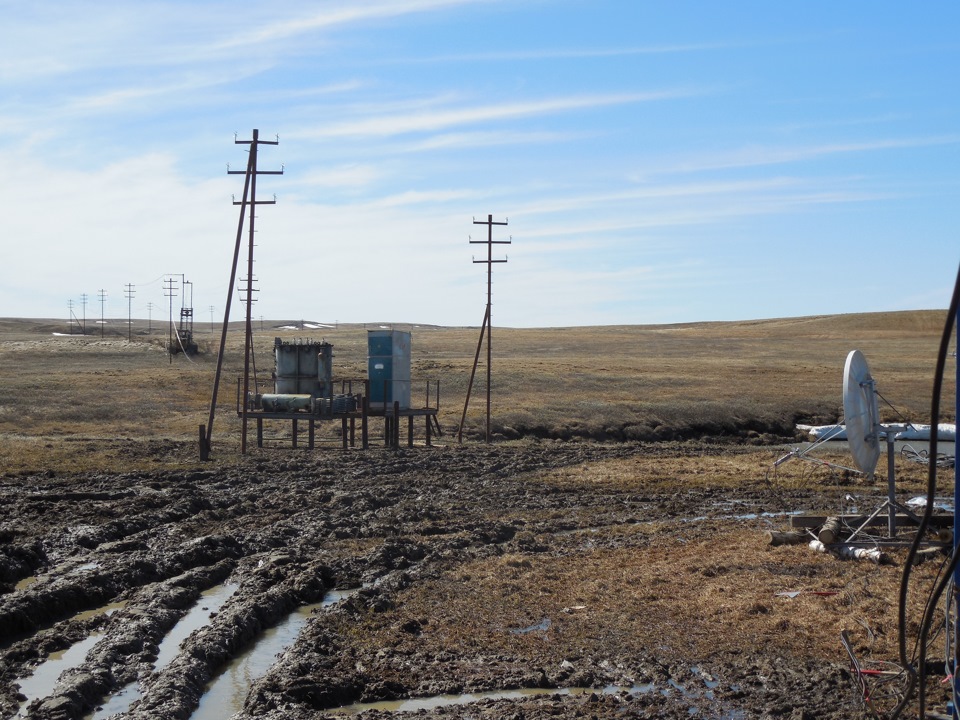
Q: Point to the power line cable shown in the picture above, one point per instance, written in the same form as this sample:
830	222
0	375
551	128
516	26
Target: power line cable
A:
917	679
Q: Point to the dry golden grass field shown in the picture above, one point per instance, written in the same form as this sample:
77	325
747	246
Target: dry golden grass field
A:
66	394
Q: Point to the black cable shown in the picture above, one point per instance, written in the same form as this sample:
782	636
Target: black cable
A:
915	677
893	407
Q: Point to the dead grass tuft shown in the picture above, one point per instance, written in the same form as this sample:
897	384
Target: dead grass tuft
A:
672	594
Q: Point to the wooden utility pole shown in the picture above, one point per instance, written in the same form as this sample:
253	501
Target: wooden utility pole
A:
487	322
170	291
249	198
130	292
103	300
83	302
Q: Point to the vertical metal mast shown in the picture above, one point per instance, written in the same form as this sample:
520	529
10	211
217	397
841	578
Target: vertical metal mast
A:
490	242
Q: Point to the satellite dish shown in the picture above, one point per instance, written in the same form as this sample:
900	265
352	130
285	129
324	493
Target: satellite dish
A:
860	412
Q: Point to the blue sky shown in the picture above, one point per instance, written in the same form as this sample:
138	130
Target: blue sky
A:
657	162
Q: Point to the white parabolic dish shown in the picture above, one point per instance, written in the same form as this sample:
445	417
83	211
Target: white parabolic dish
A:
860	412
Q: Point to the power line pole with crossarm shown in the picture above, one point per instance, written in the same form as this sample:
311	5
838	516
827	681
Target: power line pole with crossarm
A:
487	323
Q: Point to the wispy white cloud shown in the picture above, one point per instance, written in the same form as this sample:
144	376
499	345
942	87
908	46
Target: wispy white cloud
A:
121	98
415	197
465	140
69	38
594	200
387	124
608	295
347	12
846	122
353	176
564	53
754	156
605	218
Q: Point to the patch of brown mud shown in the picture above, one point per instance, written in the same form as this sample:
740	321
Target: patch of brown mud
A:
547	565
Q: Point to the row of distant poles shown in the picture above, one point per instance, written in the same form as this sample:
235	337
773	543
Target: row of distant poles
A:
129	292
82	323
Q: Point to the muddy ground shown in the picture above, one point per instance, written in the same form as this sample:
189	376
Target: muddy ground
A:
542	566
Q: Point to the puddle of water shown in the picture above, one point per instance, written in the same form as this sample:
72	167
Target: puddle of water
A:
335	596
97	612
210	602
542	625
25	583
117	703
919	503
81	616
743	516
758	516
711	682
33	579
41	683
227	692
439	701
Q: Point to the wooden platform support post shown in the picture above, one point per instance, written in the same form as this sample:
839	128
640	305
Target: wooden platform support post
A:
364	414
343	432
311	433
410	431
395	440
294	432
259	432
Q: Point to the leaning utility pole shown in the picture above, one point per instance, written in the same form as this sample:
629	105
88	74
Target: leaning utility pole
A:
487	324
249	198
130	292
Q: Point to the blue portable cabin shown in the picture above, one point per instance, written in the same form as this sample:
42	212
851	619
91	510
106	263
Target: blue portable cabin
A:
388	368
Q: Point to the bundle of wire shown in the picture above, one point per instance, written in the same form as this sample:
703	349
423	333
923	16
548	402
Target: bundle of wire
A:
916	666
